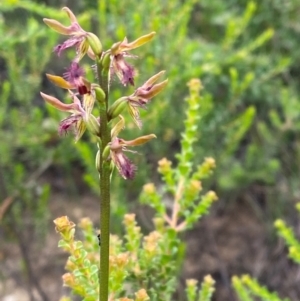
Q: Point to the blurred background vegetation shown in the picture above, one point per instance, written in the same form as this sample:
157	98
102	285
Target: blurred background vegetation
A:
246	55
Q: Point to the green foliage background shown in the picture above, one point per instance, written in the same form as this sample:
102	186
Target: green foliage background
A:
246	54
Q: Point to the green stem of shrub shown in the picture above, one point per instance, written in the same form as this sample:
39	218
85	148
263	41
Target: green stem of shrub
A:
105	172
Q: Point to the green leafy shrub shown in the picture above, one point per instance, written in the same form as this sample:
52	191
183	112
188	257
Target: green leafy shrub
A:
148	263
248	288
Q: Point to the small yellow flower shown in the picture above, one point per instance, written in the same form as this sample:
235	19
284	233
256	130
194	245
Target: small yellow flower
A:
141	295
63	224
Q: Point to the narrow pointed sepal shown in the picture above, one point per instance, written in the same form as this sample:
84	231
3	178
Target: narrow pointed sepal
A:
56	103
138	141
60	82
119	126
58	27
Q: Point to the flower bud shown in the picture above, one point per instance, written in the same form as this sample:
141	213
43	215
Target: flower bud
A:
106	61
159	223
68	279
279	223
137	270
106	152
117	108
63	224
191	282
209	280
93	125
85	223
94	43
246	279
70	266
211	163
98	166
293	252
149	188
129	219
164	165
212	195
194	187
195	85
111	168
100	94
141	295
121	260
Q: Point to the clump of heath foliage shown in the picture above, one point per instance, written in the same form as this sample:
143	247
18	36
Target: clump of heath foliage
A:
248	288
145	266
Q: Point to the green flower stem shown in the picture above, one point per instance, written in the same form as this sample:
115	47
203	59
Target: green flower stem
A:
105	171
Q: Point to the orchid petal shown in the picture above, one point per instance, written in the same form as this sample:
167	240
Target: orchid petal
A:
124	46
70	14
138	141
80	129
59	81
118	127
154	78
58	27
53	101
135	114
